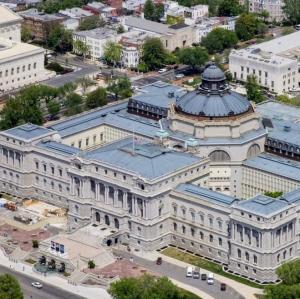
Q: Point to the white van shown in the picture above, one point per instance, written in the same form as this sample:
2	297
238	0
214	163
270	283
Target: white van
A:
210	278
189	272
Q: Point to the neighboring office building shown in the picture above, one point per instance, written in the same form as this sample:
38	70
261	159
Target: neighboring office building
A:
274	63
20	64
96	40
39	23
175	36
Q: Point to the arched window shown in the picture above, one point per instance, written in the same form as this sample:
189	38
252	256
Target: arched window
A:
254	259
117	224
183	229
97	215
239	253
192	232
219	156
247	256
211	238
253	151
201	235
106	220
175	226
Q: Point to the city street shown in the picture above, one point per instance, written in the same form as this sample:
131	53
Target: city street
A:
178	273
47	292
83	69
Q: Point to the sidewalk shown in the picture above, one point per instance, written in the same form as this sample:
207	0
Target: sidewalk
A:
86	292
244	290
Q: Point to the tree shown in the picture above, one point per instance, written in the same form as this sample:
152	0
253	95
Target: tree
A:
193	56
53	6
112	52
149	10
147	287
254	92
25	106
273	194
91	264
289	273
81	48
91	22
153	53
246	26
120	29
96	98
228	8
84	82
291	9
153	12
219	39
53	107
73	104
35	244
264	15
25	34
121	88
10	287
59	38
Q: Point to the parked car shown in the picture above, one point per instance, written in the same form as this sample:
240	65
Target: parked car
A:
223	287
210	278
189	272
196	273
203	276
161	71
179	76
37	284
159	261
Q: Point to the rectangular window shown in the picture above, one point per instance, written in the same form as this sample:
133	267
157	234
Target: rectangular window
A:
60	172
79	143
45	167
87	142
52	169
36	165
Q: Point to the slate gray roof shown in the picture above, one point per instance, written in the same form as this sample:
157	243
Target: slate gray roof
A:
292	197
146	25
27	132
146	160
282	116
59	148
275	165
262	205
158	94
214	105
206	194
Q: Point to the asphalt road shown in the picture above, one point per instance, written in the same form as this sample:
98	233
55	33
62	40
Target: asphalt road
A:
84	69
47	292
178	273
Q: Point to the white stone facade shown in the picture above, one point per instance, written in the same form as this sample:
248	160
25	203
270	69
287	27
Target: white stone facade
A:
20	64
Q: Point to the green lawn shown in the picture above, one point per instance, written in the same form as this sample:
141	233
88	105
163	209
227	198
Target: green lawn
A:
187	295
205	264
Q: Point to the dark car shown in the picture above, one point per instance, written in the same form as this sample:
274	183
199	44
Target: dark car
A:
223	287
159	261
203	276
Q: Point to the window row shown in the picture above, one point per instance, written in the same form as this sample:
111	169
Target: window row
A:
17	70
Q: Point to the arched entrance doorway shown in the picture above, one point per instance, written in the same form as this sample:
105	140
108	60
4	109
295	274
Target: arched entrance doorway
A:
108	242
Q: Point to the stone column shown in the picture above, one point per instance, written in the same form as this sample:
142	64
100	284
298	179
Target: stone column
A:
125	203
97	188
106	195
115	200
